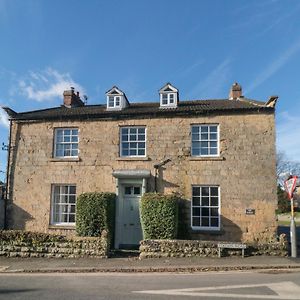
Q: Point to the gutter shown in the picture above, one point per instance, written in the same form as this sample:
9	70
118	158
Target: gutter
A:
7	176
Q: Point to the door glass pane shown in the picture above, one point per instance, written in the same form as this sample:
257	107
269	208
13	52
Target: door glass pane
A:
127	190
137	190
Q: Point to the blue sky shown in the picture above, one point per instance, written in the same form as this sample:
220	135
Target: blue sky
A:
201	47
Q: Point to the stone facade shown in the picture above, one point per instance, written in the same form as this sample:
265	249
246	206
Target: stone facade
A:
245	170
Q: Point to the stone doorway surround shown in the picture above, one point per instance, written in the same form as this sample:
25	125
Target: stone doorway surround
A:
126	177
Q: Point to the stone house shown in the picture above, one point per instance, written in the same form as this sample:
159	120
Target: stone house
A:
218	155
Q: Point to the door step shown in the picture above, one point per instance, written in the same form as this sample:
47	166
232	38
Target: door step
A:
124	253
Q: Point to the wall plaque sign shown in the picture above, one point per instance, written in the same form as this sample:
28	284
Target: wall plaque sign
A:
250	211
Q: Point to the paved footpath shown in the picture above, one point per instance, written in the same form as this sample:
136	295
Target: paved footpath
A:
134	264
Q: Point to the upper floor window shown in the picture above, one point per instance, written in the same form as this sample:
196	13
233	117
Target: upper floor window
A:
205	207
114	101
168	96
63	204
133	141
205	140
66	142
168	99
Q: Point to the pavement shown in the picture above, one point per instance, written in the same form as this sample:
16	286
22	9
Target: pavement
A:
132	264
129	262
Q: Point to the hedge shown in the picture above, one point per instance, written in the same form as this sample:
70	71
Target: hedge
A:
17	243
31	238
95	212
159	216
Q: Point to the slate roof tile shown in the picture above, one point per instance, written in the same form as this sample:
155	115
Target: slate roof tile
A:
141	109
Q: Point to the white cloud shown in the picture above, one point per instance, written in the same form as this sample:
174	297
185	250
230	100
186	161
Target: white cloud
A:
3	119
274	66
47	85
213	83
288	135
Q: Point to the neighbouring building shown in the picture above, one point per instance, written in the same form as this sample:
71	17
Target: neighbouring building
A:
218	155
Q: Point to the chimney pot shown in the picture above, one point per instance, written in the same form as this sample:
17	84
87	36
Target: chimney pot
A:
235	91
71	99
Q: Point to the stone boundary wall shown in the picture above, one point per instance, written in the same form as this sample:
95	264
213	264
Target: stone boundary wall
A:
196	248
14	243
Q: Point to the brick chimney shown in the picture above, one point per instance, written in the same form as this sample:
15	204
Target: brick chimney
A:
71	99
235	92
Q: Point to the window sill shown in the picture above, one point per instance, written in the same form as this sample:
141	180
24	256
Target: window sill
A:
208	158
133	158
65	159
208	232
63	227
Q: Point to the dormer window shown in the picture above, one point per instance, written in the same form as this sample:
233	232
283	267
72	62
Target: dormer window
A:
116	99
168	96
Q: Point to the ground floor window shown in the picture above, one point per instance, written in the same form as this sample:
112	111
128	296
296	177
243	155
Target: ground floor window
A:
63	204
205	208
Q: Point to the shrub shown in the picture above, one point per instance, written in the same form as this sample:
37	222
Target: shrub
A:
159	216
95	212
30	238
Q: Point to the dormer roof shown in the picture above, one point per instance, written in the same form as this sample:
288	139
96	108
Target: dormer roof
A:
167	88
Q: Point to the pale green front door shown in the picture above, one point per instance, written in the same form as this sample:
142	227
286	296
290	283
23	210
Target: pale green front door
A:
132	231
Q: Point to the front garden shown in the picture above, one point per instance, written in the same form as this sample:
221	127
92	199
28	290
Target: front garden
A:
95	221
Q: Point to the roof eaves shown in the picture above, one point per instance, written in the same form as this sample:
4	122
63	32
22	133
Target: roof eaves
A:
125	114
11	113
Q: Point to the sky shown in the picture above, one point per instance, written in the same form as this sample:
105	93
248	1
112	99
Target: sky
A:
201	46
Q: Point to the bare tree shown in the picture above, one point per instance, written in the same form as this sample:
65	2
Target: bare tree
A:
285	167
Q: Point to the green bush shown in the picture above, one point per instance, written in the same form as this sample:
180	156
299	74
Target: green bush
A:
95	212
30	238
159	216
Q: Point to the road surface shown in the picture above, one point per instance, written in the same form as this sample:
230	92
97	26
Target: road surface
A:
212	285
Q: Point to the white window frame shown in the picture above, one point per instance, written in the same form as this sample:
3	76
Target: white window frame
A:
168	99
121	141
208	140
65	143
208	228
117	98
66	203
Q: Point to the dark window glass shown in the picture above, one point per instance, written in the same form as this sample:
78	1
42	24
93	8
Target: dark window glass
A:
205	207
204	140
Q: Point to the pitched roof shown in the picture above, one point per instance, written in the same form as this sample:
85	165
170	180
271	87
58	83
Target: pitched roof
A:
137	110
